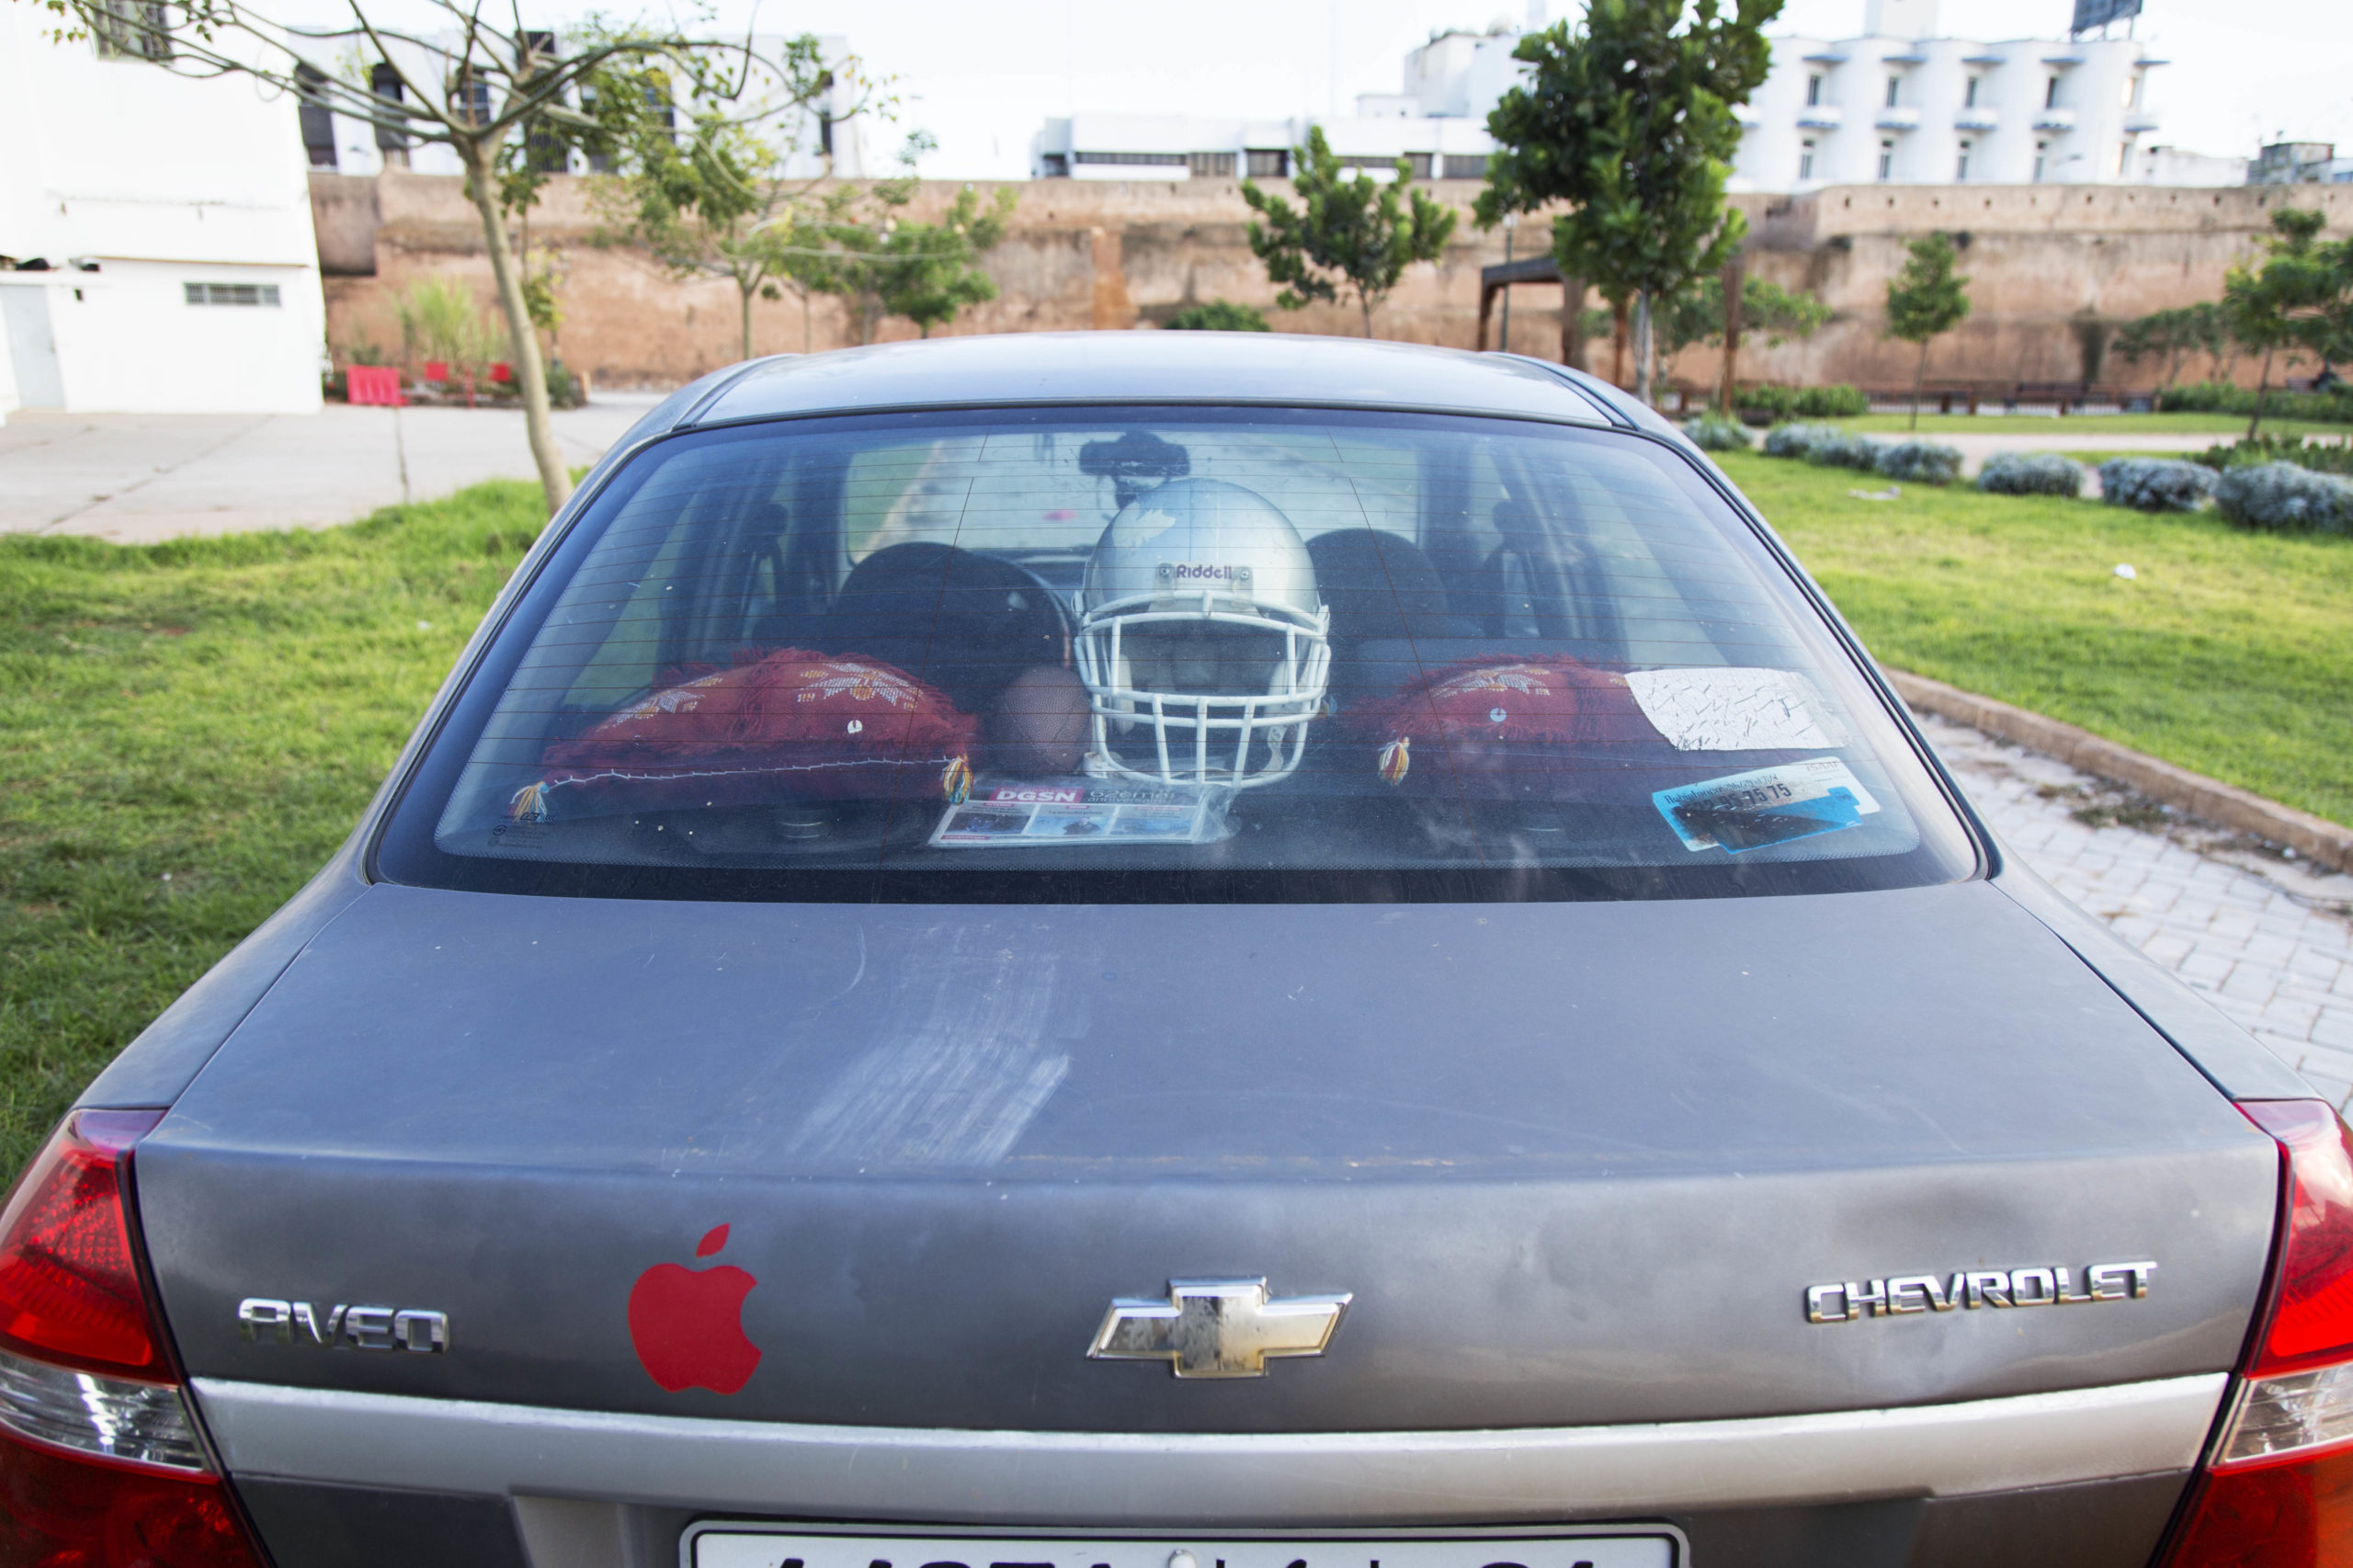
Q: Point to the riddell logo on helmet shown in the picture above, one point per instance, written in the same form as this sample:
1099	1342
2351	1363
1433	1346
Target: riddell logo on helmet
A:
1196	571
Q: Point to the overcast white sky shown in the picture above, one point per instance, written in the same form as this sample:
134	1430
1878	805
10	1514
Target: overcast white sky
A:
980	75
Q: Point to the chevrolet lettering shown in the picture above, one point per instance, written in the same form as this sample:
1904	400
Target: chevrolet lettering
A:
1845	1301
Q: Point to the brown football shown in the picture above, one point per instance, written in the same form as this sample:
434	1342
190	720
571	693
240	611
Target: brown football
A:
1040	727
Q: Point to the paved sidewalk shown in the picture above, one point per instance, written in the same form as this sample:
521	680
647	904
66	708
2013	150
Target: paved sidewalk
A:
138	478
2268	940
1975	449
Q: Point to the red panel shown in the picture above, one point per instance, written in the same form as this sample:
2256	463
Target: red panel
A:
61	1512
2282	1515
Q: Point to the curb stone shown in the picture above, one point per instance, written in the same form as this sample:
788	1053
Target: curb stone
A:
2315	838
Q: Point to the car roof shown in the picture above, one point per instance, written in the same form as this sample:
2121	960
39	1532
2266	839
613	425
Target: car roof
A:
1204	367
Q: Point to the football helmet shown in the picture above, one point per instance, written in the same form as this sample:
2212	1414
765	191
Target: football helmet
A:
1201	640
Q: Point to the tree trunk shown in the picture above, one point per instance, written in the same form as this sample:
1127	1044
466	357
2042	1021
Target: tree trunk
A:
1616	343
1573	322
1735	283
1919	378
1645	373
744	290
482	184
2262	394
1368	313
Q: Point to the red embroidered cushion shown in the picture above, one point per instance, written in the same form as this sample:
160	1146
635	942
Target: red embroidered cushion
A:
1500	727
792	725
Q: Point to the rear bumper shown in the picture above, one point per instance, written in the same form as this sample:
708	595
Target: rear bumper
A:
2035	1441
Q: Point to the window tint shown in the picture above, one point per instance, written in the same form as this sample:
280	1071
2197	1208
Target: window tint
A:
1149	654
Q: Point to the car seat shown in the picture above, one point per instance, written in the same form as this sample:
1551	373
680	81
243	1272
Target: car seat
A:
965	622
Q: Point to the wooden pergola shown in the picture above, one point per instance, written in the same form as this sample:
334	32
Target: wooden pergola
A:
1494	280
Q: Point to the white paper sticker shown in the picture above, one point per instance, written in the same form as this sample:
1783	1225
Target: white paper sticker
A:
1736	709
1026	814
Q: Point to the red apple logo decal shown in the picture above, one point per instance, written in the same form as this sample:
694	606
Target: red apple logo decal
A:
687	1324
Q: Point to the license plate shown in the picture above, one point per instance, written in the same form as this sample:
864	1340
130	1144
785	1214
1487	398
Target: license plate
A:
720	1544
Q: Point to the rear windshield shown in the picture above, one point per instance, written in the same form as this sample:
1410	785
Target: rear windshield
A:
1095	655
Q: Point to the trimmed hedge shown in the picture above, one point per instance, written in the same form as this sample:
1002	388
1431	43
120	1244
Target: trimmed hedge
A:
1920	463
1712	433
1217	316
1826	446
1796	440
2284	498
2155	485
2333	458
2031	473
2220	397
1843	449
1836	402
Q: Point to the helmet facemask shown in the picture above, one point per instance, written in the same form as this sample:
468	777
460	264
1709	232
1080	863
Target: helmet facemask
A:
1201	640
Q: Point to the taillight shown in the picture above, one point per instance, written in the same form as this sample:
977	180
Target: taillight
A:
100	1463
2277	1489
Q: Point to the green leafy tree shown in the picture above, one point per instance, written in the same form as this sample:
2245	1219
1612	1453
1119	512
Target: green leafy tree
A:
1217	316
2300	301
715	203
1628	118
881	264
1697	316
481	86
2169	335
1357	233
1925	299
933	270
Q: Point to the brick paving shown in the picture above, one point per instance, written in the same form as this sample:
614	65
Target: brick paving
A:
2268	939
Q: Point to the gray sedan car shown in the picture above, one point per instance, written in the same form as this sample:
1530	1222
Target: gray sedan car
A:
1175	950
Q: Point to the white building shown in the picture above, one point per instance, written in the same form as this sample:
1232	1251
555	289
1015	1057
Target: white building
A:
829	131
1899	105
155	244
1902	105
1437	124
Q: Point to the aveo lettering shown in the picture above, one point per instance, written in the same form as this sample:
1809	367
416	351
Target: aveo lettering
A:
1846	1300
264	1320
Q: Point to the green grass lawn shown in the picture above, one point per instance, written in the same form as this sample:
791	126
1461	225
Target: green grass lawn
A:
2220	426
2230	653
187	731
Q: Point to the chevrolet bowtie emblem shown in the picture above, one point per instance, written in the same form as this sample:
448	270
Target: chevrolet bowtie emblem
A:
1217	1328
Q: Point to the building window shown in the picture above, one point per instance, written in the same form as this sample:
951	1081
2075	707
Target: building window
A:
2040	149
1813	90
231	293
1886	160
131	30
2051	92
1466	165
473	99
1267	163
1969	93
392	141
1894	86
1209	165
1055	165
1805	159
1133	160
1960	168
317	122
1419	165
